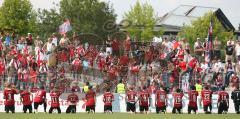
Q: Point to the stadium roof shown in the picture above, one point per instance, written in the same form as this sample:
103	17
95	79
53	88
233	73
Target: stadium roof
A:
185	14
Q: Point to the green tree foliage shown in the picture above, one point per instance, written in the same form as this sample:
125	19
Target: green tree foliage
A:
142	20
199	28
18	16
48	22
89	16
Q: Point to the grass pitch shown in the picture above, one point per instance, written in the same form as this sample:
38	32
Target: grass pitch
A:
117	116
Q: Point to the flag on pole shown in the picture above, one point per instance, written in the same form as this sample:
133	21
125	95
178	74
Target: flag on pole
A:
65	27
209	46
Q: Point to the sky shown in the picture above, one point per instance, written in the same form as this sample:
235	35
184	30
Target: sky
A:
229	7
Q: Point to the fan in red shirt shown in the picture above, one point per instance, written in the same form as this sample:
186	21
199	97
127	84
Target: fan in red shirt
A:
39	99
131	100
192	105
207	99
108	98
8	94
26	99
180	53
72	100
161	100
123	61
178	95
223	101
90	98
76	68
55	94
191	66
144	100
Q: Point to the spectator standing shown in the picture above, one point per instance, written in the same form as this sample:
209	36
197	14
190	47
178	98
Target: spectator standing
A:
217	48
198	49
7	40
229	50
54	39
29	40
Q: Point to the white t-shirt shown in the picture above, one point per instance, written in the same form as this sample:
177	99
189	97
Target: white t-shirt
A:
54	41
49	46
237	49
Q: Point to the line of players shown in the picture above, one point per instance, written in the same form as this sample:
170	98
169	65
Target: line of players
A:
132	97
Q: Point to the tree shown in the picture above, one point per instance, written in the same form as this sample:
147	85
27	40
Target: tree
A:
199	28
142	20
18	16
49	22
89	16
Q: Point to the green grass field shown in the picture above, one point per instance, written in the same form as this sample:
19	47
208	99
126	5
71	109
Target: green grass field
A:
116	116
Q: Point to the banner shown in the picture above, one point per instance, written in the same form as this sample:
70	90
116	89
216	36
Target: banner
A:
65	27
119	104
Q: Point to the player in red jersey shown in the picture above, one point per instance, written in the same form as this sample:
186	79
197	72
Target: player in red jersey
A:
90	98
192	96
108	98
55	94
72	100
178	95
206	96
223	101
161	100
26	99
8	94
39	99
144	98
131	100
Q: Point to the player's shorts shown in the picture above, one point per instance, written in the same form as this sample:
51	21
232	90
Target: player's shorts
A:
223	107
71	109
27	107
90	107
143	108
10	108
36	104
107	108
205	108
190	108
131	107
179	109
162	109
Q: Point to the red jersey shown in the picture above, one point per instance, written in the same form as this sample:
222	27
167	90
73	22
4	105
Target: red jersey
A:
40	96
108	98
73	99
178	99
131	96
90	97
161	98
144	98
9	97
223	96
192	63
180	53
206	97
183	65
26	99
124	60
192	95
77	64
2	68
55	99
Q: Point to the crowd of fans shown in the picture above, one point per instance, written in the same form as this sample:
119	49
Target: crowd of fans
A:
28	62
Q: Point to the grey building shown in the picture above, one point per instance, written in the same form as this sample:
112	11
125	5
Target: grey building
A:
173	21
